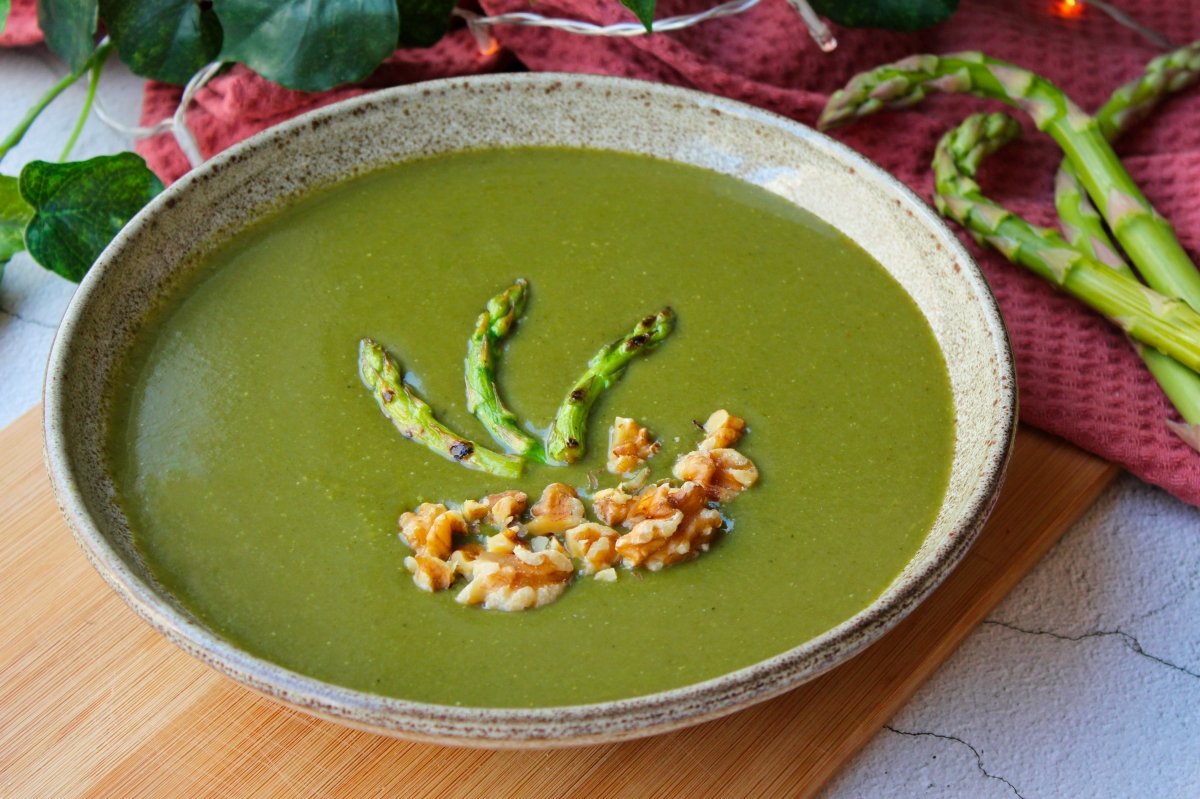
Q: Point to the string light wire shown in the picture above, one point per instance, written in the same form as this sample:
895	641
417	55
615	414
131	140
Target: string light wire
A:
478	25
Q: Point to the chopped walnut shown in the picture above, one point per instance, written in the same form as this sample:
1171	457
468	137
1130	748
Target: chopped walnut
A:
594	544
430	573
612	505
636	481
558	510
723	473
430	530
524	579
506	507
500	510
629	446
667	525
462	560
473	511
722	429
608	575
503	542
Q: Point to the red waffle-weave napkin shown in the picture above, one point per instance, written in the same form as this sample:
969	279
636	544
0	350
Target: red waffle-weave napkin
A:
1078	377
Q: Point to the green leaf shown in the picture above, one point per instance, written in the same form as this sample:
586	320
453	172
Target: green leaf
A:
897	15
643	10
423	22
70	28
14	215
5	7
79	207
310	45
167	40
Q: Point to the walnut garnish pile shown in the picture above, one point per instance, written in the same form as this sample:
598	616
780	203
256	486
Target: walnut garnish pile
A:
514	561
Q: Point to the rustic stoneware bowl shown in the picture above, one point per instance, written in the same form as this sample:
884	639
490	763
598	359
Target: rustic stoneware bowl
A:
369	132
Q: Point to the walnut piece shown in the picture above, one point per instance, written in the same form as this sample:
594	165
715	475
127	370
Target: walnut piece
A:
558	510
501	510
430	529
608	575
503	542
612	505
523	579
629	446
595	545
667	525
462	560
722	430
430	573
722	473
473	511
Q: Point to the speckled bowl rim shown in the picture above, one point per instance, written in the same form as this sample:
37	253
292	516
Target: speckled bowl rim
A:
554	726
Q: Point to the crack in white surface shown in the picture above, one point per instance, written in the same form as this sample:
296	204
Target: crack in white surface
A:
27	320
957	740
1130	642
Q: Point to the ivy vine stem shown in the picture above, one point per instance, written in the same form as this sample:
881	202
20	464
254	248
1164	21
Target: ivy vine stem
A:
89	101
98	56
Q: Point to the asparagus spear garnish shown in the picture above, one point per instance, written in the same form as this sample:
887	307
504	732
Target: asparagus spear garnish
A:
415	420
1083	227
483	396
1167	324
566	440
1147	237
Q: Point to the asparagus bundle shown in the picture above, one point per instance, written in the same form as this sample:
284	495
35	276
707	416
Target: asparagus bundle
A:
1084	228
415	420
483	395
566	440
1169	325
1147	237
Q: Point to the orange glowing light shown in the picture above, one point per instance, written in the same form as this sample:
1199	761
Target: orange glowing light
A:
1068	9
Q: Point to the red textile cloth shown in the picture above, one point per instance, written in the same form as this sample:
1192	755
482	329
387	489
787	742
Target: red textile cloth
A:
1077	375
22	28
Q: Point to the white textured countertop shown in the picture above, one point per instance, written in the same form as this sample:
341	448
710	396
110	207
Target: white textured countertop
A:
1084	682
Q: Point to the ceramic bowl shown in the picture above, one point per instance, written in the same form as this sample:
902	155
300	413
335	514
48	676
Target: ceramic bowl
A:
364	134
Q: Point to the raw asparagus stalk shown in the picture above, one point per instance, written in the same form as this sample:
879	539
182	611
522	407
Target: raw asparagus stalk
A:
1167	324
565	442
1147	237
1128	105
415	420
1084	229
483	396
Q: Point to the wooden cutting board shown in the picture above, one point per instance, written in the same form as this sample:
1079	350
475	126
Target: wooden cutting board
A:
95	703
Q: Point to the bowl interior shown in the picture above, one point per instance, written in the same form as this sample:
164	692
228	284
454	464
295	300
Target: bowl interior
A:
884	218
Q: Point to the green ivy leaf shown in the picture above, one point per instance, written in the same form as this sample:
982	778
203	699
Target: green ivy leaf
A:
897	15
69	27
167	40
79	207
310	45
643	10
423	22
14	216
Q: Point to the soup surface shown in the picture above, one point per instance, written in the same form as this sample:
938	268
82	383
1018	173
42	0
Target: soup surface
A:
263	484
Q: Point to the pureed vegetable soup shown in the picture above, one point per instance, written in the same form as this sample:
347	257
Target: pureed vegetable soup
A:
263	484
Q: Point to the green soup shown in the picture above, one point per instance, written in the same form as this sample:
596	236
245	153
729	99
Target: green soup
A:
263	484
